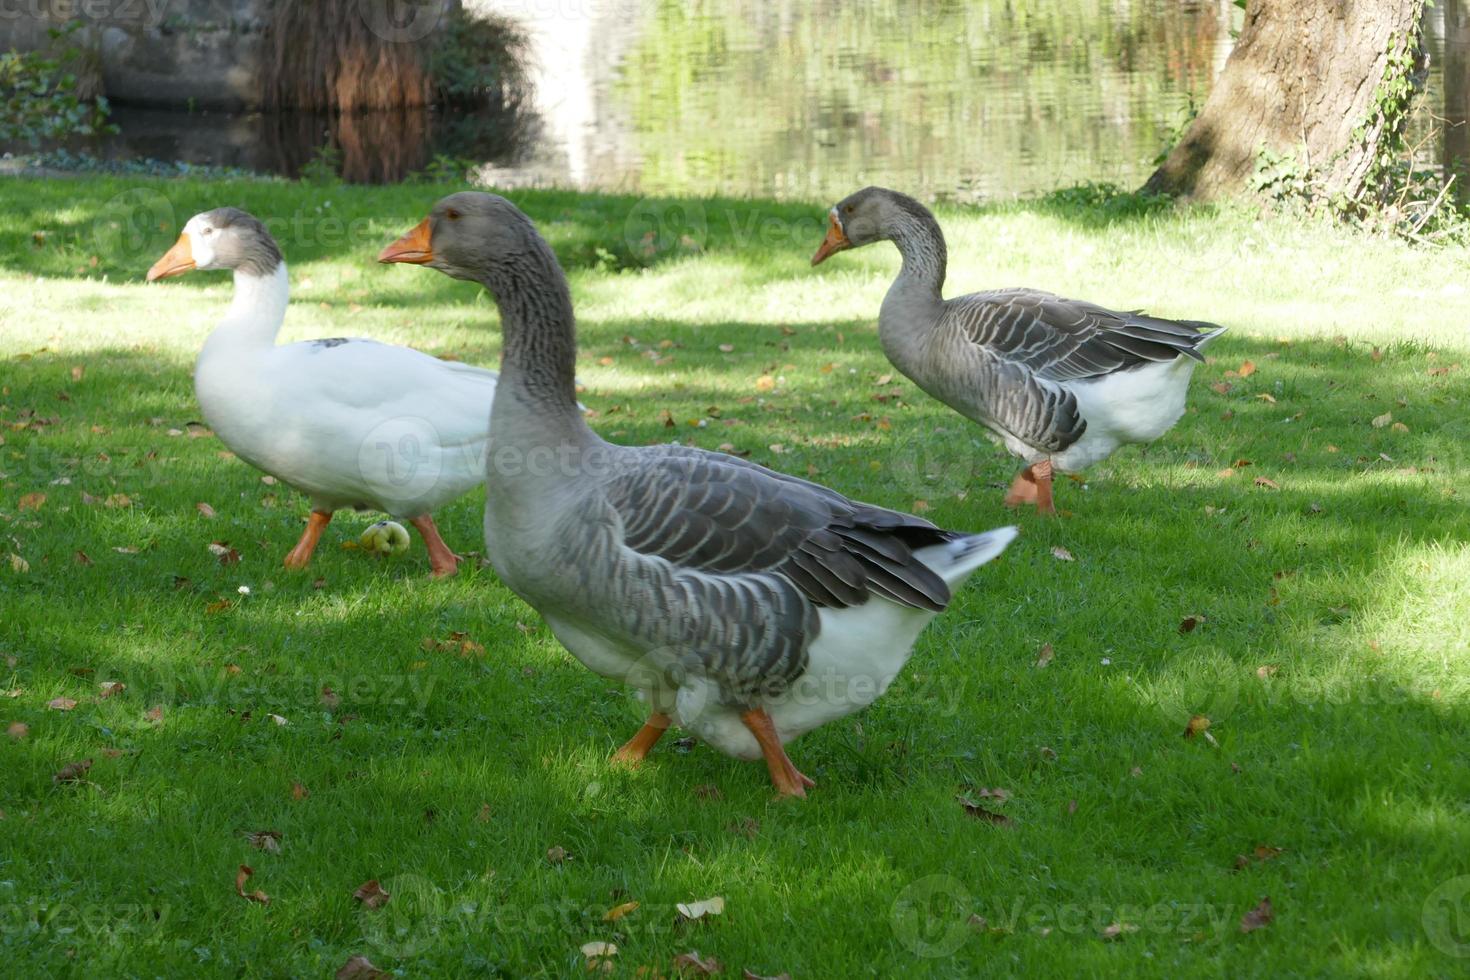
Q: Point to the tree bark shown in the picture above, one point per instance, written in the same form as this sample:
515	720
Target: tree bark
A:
1457	94
1306	78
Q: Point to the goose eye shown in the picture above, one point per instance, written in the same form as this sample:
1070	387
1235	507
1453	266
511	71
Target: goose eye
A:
452	214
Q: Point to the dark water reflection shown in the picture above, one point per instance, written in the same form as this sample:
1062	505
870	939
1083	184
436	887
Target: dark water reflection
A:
810	98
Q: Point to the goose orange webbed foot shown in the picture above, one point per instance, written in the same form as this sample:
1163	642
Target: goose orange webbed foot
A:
636	749
442	561
300	556
788	780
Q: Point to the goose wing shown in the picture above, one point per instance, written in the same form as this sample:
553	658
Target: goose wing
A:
723	563
1065	340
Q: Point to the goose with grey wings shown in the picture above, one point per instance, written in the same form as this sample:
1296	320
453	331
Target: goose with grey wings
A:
348	422
1061	383
746	606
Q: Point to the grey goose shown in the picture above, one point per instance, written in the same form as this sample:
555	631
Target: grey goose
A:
1060	382
747	606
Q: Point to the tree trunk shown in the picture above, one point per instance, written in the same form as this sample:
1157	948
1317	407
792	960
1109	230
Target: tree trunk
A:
1325	81
1457	94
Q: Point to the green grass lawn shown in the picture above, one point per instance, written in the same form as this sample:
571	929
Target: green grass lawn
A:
1311	510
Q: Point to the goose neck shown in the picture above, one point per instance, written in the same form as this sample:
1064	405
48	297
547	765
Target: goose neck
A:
256	311
921	244
538	359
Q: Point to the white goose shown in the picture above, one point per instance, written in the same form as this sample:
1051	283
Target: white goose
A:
348	422
1061	382
746	605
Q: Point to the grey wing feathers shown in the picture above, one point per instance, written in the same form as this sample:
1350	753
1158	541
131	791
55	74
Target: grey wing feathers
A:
747	557
1066	340
720	515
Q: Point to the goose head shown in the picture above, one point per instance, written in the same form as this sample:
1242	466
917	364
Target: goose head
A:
225	238
465	236
873	214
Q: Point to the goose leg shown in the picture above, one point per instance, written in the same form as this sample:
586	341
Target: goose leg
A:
299	556
1023	489
1042	472
788	779
635	749
441	560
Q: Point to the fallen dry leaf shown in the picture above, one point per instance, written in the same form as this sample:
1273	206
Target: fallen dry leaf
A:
749	974
1045	655
484	815
1267	482
698	910
361	968
1221	387
1118	930
82	558
1267	670
19	565
118	500
330	698
617	912
32	501
72	772
109	689
765	383
223	551
154	713
691	963
1188	623
1198	725
265	840
61	704
241	877
1382	420
557	854
1247	368
1258	917
204	509
1264	852
1399	427
599	956
371	894
299	792
18	730
1061	554
981	813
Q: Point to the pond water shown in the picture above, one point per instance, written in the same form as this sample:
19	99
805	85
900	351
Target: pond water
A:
967	99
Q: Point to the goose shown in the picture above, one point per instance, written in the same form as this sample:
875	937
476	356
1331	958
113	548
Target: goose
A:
348	422
1060	382
746	605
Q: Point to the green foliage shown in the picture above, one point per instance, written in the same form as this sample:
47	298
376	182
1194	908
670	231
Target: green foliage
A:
324	168
479	62
39	92
1102	203
446	169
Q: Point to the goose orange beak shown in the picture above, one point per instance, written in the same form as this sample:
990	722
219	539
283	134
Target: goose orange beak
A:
176	261
414	247
835	241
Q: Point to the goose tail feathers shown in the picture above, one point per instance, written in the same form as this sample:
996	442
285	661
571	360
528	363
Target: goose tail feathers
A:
957	559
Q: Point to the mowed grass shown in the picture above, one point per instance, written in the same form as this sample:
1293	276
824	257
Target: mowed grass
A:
1311	510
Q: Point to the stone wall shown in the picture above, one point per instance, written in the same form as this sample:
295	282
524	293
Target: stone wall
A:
201	53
